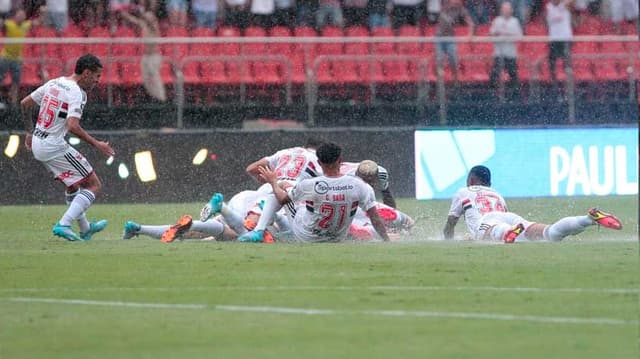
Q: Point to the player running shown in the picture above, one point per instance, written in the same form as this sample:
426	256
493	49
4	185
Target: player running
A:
321	209
487	218
61	102
374	175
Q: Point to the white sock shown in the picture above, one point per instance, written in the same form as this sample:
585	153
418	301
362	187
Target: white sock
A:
233	219
153	231
567	226
213	228
83	222
82	201
271	206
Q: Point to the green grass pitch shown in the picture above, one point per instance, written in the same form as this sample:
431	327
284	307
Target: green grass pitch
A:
420	298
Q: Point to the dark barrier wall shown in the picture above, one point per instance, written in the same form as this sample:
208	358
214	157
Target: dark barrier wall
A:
25	181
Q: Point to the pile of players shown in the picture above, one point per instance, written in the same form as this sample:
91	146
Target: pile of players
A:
309	195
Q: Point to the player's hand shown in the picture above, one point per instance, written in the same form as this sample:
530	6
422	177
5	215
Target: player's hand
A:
27	141
105	148
267	175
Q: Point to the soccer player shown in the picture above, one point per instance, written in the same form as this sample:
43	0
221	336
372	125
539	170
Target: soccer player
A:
321	209
61	102
290	165
236	217
374	175
395	221
487	218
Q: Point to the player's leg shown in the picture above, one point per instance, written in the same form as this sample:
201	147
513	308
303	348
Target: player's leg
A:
217	205
132	229
72	169
502	226
87	229
574	225
269	209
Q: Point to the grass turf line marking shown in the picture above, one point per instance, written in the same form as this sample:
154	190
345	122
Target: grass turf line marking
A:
311	311
340	288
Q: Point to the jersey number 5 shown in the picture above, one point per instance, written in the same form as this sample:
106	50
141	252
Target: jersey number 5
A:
48	110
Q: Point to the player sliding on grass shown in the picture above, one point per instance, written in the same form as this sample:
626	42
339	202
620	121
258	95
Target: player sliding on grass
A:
238	216
487	218
61	102
321	209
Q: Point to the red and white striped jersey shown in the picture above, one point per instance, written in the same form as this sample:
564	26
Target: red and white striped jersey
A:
58	99
475	201
295	164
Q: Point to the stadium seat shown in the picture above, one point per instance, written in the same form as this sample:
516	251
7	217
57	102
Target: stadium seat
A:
100	50
535	29
30	76
177	51
235	67
590	25
609	70
260	71
582	70
191	67
282	49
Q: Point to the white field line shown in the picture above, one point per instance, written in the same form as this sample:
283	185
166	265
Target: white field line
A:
311	311
337	288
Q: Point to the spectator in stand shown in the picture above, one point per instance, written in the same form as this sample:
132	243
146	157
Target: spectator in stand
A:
355	12
177	10
505	52
205	13
151	59
115	7
623	10
379	13
558	18
305	12
406	12
15	27
521	9
285	13
262	13
57	14
5	9
329	9
480	10
236	13
451	15
433	11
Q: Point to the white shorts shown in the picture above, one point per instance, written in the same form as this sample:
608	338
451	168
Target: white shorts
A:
489	220
623	10
70	168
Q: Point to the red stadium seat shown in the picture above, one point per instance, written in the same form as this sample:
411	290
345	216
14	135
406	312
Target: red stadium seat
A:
100	50
535	29
30	76
582	70
261	71
609	70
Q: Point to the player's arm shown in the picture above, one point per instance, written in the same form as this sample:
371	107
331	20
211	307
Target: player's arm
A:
27	105
253	169
377	223
449	226
269	176
387	198
130	18
73	125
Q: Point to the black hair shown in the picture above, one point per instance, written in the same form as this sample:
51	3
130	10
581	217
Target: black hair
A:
482	173
328	153
313	142
87	62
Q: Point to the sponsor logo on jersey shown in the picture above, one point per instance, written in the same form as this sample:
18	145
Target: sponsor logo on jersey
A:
322	187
